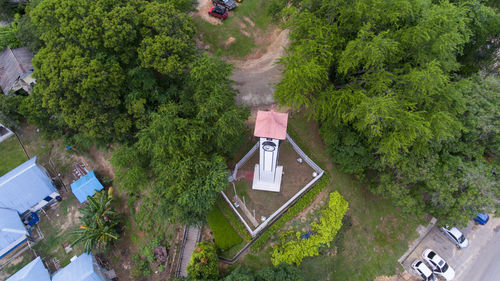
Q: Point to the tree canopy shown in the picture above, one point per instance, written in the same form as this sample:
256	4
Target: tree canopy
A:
182	148
96	67
393	86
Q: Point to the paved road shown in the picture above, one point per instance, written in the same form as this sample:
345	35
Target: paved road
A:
486	266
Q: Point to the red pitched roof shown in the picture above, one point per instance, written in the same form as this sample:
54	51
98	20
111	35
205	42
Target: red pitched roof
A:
271	124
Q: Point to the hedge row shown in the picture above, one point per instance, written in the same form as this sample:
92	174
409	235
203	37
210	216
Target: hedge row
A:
229	214
300	205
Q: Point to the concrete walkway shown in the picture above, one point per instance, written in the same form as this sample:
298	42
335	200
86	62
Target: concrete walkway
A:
192	238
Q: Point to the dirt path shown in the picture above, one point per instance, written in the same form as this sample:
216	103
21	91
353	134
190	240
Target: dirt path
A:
254	77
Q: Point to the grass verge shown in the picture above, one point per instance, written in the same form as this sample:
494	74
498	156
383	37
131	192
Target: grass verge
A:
224	234
12	155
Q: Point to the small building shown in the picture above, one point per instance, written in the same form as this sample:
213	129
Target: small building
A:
270	127
16	70
83	268
33	271
86	186
13	234
27	188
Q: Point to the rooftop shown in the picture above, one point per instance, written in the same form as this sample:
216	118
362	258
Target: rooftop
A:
270	124
86	186
33	271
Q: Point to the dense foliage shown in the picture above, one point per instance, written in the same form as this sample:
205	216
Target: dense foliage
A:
204	262
294	247
224	235
182	148
392	85
99	224
8	36
99	61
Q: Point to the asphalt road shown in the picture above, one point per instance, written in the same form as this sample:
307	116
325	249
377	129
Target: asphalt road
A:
486	266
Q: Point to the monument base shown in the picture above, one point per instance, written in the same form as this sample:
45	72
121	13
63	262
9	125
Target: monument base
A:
267	186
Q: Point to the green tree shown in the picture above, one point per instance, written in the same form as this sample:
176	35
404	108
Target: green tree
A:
99	222
183	145
390	83
96	68
204	262
292	248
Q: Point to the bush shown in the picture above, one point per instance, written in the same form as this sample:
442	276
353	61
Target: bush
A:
300	205
204	262
224	234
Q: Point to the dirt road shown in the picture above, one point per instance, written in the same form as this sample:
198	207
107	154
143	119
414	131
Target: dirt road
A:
254	77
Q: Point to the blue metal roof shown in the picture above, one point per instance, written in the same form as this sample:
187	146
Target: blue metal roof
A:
81	269
11	230
33	271
86	186
25	186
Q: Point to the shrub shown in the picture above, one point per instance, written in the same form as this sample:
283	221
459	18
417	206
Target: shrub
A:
294	250
204	262
224	234
300	205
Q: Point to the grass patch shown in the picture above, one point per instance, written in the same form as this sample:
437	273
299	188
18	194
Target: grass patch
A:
224	234
216	35
235	221
12	155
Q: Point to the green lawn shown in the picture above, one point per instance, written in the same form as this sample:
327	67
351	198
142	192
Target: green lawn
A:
12	155
224	234
237	27
374	234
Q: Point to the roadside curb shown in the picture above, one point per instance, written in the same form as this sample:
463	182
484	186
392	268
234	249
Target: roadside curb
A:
417	241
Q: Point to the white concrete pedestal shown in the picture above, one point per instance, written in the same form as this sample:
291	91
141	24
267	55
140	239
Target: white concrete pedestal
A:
267	186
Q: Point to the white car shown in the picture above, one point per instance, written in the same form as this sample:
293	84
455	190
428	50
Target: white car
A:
438	265
455	236
423	271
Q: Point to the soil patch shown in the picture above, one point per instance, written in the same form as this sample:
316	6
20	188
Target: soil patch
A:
202	12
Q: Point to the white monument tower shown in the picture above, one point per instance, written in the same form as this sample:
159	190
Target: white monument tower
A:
270	126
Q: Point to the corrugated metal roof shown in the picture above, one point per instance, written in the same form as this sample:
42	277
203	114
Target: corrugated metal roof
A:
13	64
86	186
33	271
11	228
24	187
81	269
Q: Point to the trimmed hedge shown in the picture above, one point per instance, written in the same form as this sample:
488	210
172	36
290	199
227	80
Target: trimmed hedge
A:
224	234
229	214
300	205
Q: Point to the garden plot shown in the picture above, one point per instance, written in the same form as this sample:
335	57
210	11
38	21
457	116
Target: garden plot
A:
256	207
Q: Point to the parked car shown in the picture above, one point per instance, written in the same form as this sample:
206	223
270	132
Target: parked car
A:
482	219
423	271
218	12
229	4
438	265
455	236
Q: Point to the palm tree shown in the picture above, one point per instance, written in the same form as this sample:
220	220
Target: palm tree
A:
99	223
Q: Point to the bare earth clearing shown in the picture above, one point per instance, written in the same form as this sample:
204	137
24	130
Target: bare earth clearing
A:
255	74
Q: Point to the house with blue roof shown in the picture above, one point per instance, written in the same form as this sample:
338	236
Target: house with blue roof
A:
86	186
27	188
83	268
13	234
33	271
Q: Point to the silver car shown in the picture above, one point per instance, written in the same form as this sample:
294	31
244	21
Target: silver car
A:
455	236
